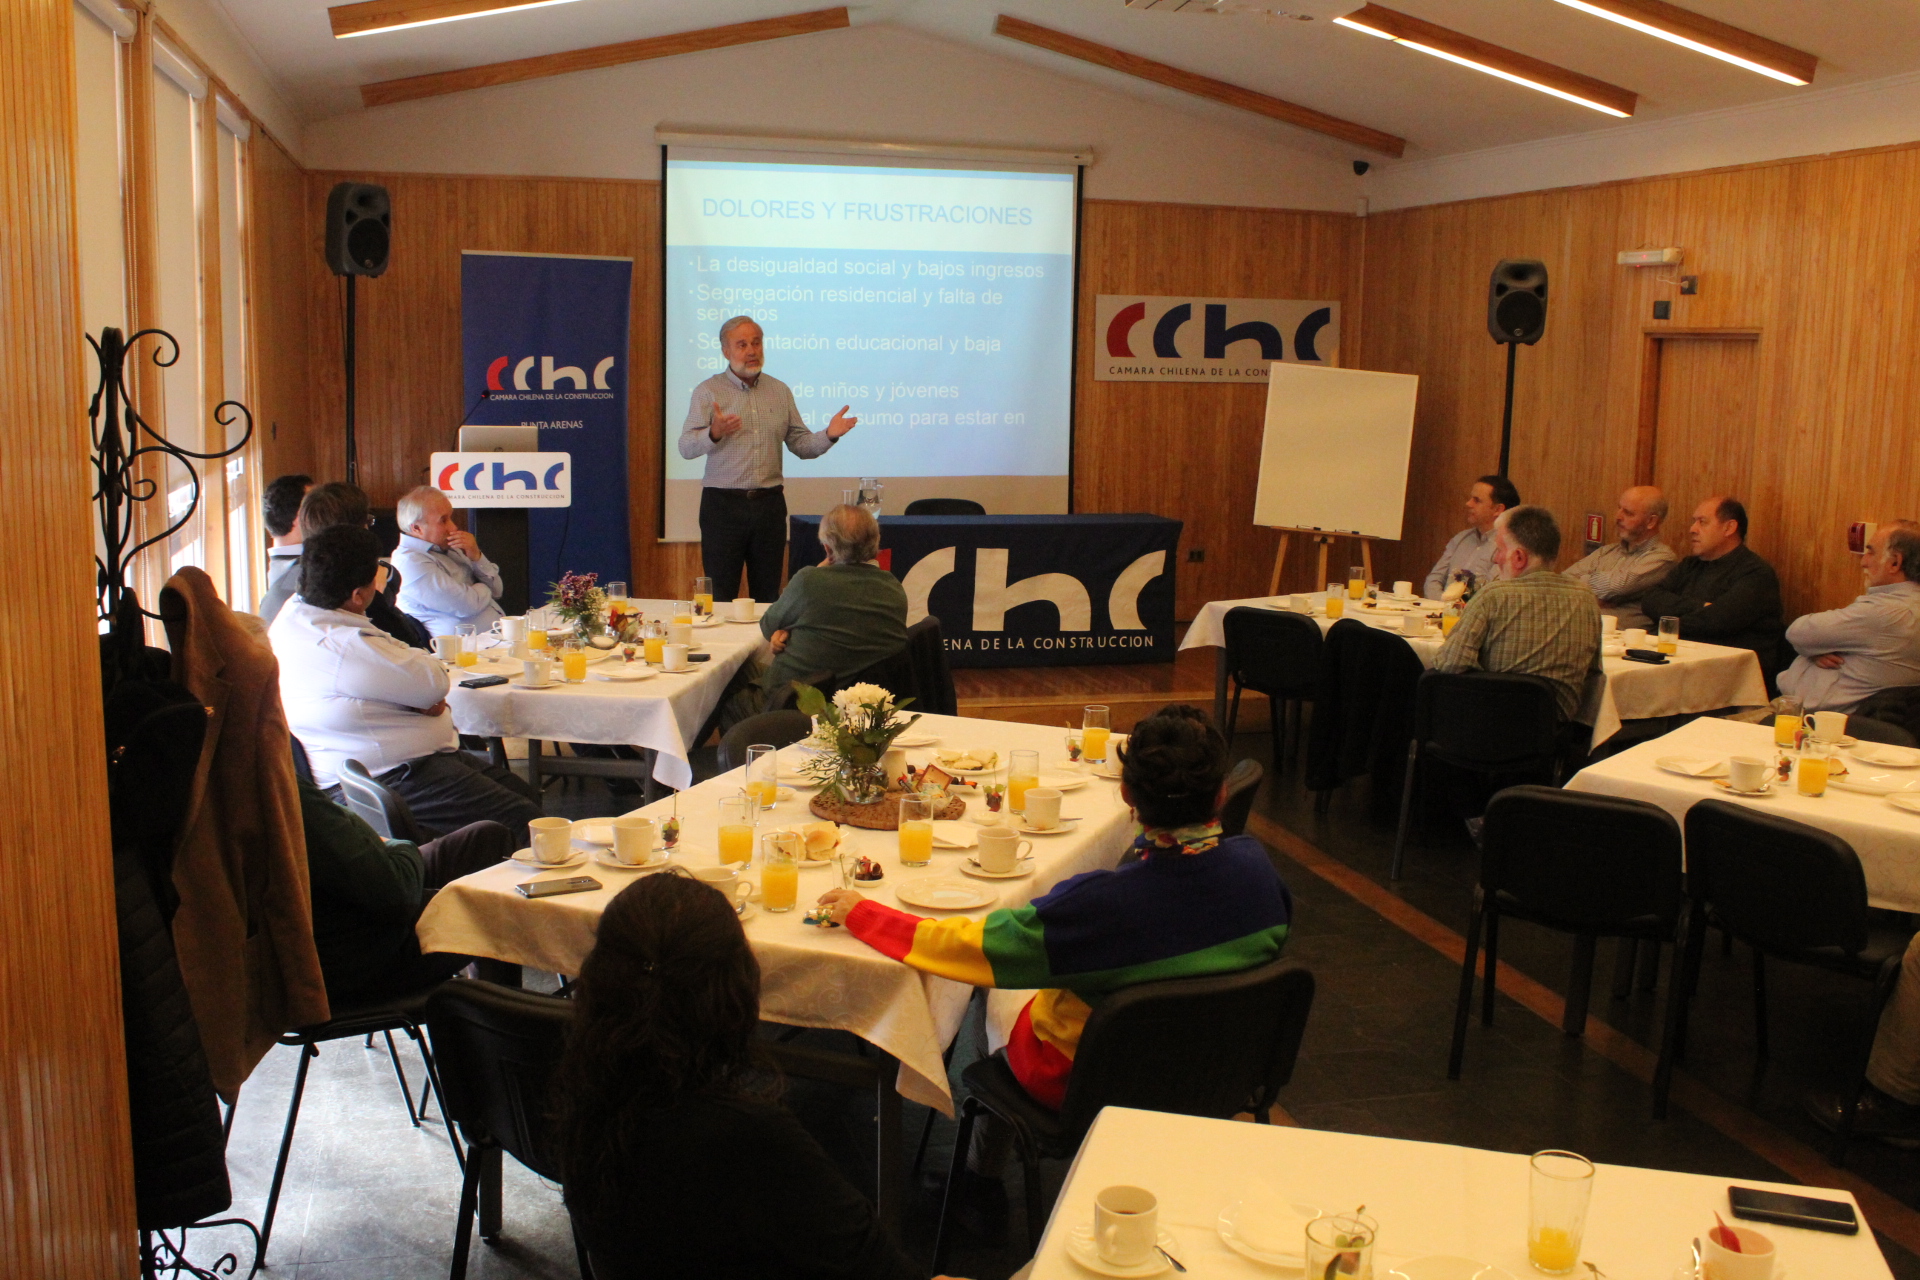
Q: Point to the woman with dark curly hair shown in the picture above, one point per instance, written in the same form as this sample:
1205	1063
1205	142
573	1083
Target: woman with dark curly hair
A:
677	1159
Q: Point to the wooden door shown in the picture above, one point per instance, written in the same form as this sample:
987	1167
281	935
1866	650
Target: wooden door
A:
1698	413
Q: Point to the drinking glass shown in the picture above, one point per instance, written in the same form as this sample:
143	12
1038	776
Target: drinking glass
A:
779	870
870	491
1023	771
763	775
1669	635
681	632
1810	778
1336	600
1448	621
1561	1184
1788	712
617	592
1340	1245
1094	732
703	597
653	639
537	639
469	644
1075	745
916	830
1356	581
738	814
573	663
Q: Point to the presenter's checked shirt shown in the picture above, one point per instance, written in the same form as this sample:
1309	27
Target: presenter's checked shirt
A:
750	457
1540	624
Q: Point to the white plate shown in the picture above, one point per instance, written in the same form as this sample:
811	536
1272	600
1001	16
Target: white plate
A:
1886	755
1228	1226
551	684
944	895
623	674
525	858
916	740
1727	787
711	620
659	859
1066	825
1904	800
1081	1249
1064	781
1442	1266
1691	766
971	867
972	773
1873	784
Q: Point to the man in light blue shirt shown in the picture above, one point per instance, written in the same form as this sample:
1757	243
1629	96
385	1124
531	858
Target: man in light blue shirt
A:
1470	551
738	421
1847	655
444	578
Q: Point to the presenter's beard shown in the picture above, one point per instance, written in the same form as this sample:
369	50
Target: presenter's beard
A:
745	372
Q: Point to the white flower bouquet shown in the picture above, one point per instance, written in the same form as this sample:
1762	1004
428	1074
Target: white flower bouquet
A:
853	732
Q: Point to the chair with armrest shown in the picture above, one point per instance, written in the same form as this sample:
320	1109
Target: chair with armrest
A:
378	805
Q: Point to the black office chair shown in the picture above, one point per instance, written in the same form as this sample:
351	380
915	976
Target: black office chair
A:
1497	725
1789	891
378	805
933	690
302	767
774	728
1214	1046
1243	783
402	1013
945	507
1593	866
497	1051
1868	729
1363	709
1277	654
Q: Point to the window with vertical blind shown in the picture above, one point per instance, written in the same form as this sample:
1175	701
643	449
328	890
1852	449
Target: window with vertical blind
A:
178	97
99	193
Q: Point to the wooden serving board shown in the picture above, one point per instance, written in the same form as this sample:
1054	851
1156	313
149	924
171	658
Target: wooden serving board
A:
883	815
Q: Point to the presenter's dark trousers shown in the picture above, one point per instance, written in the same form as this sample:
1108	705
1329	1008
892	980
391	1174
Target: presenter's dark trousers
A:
743	527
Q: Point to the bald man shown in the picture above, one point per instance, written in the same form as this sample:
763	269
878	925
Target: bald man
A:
1621	572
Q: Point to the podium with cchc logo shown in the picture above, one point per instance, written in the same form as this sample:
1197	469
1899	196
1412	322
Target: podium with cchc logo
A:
498	475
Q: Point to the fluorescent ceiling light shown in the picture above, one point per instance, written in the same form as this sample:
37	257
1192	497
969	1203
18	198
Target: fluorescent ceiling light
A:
376	16
1491	59
1703	35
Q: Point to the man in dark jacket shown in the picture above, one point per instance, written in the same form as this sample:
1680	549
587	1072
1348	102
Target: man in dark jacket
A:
1723	593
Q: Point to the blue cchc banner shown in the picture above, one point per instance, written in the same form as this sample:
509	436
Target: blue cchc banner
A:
545	338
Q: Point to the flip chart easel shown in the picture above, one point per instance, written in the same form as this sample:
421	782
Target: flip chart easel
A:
1325	541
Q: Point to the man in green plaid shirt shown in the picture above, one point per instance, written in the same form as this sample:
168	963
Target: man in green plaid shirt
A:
1532	620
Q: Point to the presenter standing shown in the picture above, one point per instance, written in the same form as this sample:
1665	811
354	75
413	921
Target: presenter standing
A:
738	420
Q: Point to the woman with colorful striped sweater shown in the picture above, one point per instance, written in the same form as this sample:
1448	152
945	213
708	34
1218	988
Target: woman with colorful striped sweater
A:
1194	904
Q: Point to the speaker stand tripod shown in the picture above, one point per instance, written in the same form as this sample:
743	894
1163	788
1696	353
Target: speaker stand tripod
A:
1506	420
353	455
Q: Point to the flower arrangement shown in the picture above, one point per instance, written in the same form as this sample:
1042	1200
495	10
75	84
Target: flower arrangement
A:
853	732
579	599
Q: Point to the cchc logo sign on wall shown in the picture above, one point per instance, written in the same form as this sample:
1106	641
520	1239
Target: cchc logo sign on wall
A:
1140	339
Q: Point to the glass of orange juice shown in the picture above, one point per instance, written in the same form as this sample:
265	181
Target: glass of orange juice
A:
763	777
703	597
1560	1188
1094	731
738	814
1810	777
916	830
1669	635
537	639
653	640
1023	771
573	664
780	870
1448	621
681	632
1787	713
469	644
1356	581
1336	600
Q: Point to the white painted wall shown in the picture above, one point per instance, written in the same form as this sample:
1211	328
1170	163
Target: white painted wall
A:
212	37
1814	122
879	82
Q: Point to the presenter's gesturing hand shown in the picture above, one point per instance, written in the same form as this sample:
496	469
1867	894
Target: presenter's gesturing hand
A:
724	425
841	423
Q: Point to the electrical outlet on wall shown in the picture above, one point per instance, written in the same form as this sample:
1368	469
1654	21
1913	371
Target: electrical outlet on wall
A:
1689	284
1196	555
1663	310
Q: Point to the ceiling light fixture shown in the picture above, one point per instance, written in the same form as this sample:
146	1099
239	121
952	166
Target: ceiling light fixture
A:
1493	60
1704	35
375	16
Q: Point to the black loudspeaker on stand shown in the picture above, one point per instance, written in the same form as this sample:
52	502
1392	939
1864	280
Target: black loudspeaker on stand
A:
1516	313
359	238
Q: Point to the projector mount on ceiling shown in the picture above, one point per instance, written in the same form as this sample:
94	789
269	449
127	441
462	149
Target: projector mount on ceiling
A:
1299	10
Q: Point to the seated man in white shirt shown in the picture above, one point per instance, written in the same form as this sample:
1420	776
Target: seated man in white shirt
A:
444	578
1470	551
1847	655
352	692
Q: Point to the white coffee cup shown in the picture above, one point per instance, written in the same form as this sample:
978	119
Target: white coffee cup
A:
1608	624
511	630
1753	1262
446	648
552	839
680	633
1300	604
1636	637
1829	726
537	673
1001	849
1416	626
1043	808
1401	587
633	840
1126	1226
743	608
1747	773
673	657
727	880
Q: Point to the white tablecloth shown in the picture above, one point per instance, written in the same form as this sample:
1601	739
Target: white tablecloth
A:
1701	677
1429	1198
810	977
662	714
1887	839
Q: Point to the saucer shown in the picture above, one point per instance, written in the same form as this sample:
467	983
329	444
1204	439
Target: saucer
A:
1887	756
1732	790
551	684
525	858
1228	1227
634	671
1693	766
1080	1248
1066	825
972	867
660	859
1902	800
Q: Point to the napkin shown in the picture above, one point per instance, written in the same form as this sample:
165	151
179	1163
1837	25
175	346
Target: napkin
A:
1268	1221
955	835
1695	765
1888	754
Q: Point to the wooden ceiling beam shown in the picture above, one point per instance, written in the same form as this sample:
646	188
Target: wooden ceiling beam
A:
1493	59
1233	95
385	92
1705	35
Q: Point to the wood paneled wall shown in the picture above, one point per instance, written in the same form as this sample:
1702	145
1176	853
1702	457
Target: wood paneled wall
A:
66	1175
279	248
1817	254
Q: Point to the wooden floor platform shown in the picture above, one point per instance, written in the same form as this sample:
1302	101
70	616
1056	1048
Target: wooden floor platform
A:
1055	695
